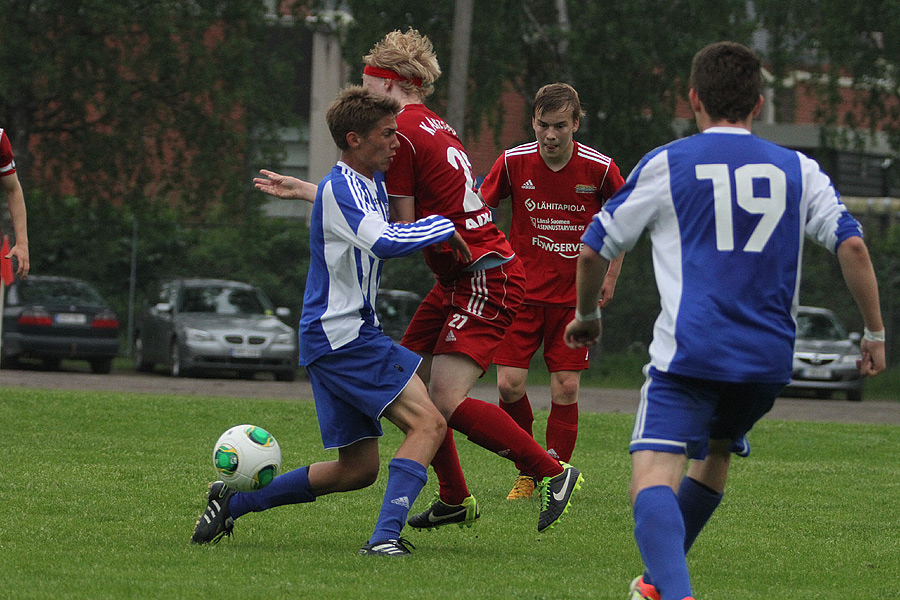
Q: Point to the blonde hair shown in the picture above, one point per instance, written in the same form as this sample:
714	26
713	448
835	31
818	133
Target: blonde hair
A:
409	54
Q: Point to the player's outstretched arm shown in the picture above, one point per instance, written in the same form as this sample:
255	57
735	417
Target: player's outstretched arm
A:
608	290
15	200
856	266
584	329
284	186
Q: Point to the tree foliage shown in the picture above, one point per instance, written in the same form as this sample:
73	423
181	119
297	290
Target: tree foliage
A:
135	101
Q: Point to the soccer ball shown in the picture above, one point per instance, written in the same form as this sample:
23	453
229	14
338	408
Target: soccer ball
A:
247	458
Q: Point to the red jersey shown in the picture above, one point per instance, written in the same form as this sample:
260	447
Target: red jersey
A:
432	165
550	211
7	164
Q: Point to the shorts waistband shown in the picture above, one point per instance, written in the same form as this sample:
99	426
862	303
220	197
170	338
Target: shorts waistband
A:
488	261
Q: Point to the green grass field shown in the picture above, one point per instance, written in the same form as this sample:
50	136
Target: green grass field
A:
100	492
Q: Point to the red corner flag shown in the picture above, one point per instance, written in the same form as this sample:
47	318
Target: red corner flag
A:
6	271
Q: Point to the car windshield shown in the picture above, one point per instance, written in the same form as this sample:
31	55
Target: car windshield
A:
222	300
61	291
814	326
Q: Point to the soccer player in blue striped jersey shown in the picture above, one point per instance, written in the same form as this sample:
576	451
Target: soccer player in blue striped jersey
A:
358	374
727	213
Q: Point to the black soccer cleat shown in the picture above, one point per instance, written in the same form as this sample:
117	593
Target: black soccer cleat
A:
439	513
399	547
555	495
215	522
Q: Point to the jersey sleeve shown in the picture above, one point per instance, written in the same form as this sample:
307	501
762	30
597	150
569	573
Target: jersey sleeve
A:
828	221
7	162
401	176
632	208
496	185
351	216
611	182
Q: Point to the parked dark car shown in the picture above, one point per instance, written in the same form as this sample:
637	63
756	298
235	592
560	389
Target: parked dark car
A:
56	318
190	325
395	309
825	355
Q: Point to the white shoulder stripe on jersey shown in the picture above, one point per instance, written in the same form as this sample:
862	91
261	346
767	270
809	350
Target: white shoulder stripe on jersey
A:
529	148
591	154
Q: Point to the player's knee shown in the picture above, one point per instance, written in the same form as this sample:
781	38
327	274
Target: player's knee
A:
566	389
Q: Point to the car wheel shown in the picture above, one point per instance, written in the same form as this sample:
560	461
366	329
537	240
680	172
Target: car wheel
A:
140	361
9	362
854	395
286	375
101	366
246	374
176	369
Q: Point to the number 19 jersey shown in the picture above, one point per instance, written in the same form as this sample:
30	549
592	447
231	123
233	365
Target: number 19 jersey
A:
727	213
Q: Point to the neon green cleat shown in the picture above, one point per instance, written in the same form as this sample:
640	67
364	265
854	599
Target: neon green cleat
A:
556	493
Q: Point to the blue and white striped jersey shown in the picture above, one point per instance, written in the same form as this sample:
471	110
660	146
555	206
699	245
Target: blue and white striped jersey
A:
350	236
727	213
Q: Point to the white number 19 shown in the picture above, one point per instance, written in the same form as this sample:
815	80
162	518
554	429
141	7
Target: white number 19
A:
771	207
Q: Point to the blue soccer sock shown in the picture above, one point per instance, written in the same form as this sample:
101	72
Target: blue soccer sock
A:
288	488
659	532
697	503
406	478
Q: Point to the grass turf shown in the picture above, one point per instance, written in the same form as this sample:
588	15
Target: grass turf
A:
100	492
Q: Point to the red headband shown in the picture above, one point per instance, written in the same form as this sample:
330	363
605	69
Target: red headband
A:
388	74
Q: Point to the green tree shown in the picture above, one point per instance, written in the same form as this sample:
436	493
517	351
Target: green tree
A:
135	102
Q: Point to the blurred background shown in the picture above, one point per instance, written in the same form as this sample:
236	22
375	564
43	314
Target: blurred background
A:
138	125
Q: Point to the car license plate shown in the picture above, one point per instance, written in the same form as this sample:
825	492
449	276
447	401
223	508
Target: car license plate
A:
246	353
71	318
817	373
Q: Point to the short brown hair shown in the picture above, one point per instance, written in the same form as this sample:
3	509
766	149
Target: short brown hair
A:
727	77
557	96
410	54
359	110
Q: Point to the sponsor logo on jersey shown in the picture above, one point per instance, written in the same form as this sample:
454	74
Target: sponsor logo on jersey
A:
528	185
582	188
479	221
531	205
450	337
564	249
556	224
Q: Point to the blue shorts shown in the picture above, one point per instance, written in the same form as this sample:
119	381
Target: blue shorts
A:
355	383
681	414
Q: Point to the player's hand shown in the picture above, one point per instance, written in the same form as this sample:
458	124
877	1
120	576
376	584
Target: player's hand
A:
21	255
873	358
581	334
460	248
283	186
607	291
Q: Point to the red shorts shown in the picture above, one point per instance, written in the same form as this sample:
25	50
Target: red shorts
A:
470	315
533	326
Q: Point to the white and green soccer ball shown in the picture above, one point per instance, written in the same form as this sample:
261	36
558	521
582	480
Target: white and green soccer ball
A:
247	458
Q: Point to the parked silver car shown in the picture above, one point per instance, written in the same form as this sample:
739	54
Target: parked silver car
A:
825	355
212	324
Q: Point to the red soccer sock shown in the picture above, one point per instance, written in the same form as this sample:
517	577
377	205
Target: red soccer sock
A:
562	430
490	427
521	413
449	472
